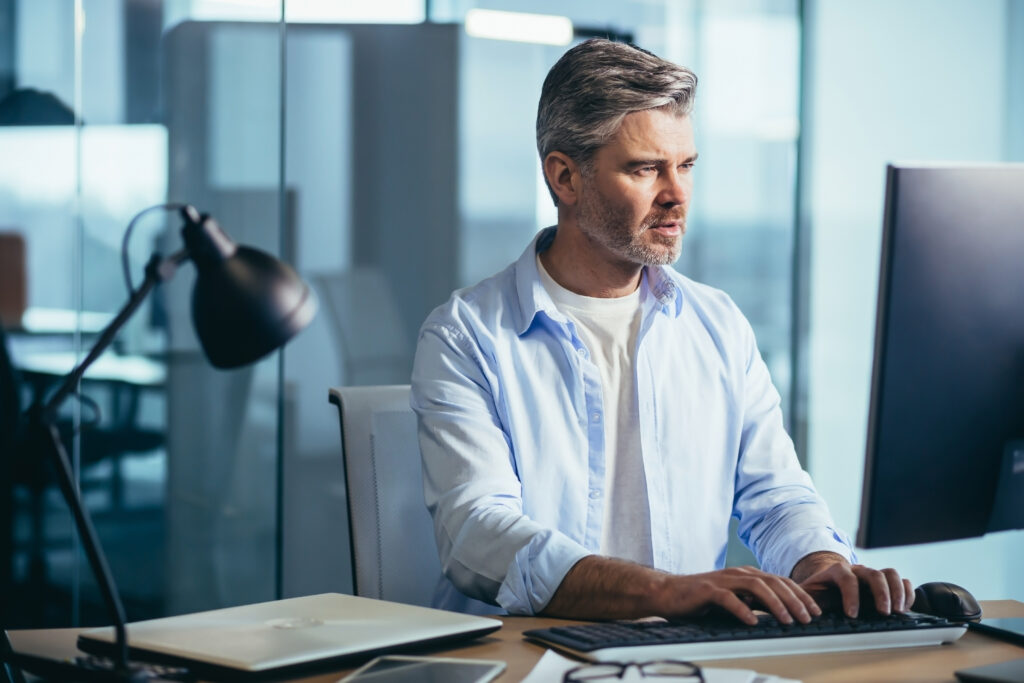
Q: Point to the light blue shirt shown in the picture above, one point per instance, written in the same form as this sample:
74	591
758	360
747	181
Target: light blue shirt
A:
510	415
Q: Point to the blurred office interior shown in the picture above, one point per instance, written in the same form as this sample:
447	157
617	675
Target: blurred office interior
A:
386	149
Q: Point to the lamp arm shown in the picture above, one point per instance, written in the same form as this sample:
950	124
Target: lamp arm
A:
158	270
50	440
42	422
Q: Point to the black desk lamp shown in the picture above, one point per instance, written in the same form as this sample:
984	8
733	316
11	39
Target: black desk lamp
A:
245	304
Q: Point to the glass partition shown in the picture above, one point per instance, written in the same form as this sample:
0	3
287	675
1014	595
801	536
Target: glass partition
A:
385	152
40	142
110	109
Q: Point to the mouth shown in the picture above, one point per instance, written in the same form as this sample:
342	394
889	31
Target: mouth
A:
669	228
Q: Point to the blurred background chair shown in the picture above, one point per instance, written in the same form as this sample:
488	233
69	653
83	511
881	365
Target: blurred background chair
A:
394	556
363	311
9	410
26	477
13	282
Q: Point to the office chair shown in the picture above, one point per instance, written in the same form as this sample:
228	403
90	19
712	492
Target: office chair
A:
394	556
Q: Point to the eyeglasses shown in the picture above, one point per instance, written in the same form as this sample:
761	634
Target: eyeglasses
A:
682	671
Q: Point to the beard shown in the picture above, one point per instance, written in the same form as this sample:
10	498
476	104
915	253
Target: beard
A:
610	226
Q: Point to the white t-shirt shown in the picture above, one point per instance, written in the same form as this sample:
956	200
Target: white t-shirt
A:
609	328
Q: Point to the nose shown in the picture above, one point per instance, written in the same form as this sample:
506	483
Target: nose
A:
675	189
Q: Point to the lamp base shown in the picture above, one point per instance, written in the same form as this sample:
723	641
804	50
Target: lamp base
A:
91	668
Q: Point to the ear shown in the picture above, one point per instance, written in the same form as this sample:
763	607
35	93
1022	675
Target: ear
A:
563	175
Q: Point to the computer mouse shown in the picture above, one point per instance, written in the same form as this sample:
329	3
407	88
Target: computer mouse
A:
946	600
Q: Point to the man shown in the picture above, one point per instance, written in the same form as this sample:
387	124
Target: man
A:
590	419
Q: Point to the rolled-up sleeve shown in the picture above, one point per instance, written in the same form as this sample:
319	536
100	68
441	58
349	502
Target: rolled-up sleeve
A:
781	516
489	549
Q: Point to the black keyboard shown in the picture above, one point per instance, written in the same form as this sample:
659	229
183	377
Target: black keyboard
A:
726	637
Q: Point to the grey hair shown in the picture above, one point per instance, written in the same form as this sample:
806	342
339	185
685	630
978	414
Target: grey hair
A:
594	86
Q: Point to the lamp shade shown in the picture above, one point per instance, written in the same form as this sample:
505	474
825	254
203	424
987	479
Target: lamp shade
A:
245	303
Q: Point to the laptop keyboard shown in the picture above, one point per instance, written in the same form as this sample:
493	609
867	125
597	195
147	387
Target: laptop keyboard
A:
726	637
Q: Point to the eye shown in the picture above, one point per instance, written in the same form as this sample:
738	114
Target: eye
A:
646	170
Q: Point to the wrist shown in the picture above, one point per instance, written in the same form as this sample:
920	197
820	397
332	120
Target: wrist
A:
658	590
813	563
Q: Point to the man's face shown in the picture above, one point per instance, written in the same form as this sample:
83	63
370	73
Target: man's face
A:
636	190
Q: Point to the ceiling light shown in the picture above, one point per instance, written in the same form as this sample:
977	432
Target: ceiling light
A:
547	29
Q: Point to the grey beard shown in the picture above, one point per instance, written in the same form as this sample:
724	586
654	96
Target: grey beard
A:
643	253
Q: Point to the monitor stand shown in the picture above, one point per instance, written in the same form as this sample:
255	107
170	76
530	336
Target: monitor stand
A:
1008	503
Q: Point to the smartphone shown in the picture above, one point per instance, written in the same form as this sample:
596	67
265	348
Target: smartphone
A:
400	669
1011	629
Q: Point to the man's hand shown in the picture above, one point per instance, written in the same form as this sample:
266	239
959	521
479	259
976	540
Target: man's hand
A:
605	588
822	573
738	590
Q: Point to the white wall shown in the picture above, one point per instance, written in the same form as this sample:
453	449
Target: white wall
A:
889	81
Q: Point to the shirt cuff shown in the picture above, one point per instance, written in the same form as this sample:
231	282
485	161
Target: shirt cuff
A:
537	571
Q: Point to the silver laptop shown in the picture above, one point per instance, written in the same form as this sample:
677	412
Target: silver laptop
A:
295	633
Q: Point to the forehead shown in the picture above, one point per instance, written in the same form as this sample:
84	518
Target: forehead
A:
652	134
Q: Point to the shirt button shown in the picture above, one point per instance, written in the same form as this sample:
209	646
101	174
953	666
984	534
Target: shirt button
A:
596	417
595	494
582	352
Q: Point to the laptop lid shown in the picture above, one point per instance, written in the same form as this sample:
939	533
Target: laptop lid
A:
317	629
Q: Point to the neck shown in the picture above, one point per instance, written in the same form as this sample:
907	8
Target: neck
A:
583	267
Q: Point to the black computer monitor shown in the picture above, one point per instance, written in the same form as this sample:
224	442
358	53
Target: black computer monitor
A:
945	448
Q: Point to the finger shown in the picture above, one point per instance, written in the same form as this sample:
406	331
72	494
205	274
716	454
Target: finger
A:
897	595
808	601
792	595
908	592
731	602
765	595
849	588
878	584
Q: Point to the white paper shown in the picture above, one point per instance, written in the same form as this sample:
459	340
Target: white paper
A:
552	666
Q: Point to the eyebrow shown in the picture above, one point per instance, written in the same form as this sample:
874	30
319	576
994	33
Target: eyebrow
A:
639	163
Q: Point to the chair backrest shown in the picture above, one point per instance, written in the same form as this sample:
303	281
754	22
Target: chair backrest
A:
394	556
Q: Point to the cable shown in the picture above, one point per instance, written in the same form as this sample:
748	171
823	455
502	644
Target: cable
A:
12	674
173	206
96	413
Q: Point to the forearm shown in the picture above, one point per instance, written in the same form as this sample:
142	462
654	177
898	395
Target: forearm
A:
606	588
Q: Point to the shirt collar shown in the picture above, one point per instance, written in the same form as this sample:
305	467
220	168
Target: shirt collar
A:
657	284
660	281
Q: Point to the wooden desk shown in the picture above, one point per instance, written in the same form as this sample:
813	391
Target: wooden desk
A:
923	664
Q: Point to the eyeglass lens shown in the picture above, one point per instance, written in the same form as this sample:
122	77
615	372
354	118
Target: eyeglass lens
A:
616	670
